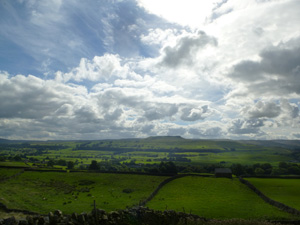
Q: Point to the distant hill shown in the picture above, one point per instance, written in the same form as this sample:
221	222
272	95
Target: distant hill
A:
288	144
4	140
178	142
165	138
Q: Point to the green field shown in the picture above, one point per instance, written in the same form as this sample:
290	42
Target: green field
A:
149	151
214	198
286	191
43	192
6	173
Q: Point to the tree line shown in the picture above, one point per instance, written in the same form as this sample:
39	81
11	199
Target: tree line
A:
259	169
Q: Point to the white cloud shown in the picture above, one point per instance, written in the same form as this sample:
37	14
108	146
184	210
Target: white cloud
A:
184	12
161	37
100	68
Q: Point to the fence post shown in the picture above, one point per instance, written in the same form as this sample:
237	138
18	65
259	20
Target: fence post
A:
95	211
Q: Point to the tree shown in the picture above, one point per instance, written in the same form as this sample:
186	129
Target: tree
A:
259	171
267	167
62	162
70	165
283	165
94	165
279	171
294	170
2	158
50	163
168	167
17	158
237	169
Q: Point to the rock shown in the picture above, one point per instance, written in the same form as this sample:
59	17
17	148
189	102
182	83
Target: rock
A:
74	216
47	221
114	214
30	220
10	221
58	213
81	219
41	221
104	217
23	222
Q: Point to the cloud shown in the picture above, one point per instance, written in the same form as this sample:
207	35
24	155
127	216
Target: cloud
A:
263	110
241	127
184	12
54	35
186	49
296	135
194	114
126	70
32	97
100	68
276	73
289	109
209	132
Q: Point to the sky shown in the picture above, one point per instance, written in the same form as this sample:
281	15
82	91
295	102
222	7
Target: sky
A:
110	69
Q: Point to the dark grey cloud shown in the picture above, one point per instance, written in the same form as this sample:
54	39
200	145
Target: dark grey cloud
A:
277	73
263	110
159	110
193	114
250	126
138	101
176	131
291	110
296	135
185	50
212	132
30	97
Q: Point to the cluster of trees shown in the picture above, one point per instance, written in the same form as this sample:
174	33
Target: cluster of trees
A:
204	168
266	169
16	158
61	162
163	167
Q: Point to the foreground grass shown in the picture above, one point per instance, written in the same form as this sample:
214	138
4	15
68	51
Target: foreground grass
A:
219	198
286	191
75	192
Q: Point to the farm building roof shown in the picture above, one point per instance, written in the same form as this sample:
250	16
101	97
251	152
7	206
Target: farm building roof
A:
223	170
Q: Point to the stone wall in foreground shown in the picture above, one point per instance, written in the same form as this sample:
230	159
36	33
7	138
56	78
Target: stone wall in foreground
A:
133	216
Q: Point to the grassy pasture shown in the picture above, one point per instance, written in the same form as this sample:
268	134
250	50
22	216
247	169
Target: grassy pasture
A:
242	157
6	173
144	150
219	198
286	191
75	192
14	164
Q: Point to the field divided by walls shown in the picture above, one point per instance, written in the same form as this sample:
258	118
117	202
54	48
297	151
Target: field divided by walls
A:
286	191
75	192
220	198
208	197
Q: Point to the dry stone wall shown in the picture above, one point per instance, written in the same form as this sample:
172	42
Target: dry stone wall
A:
279	205
134	216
